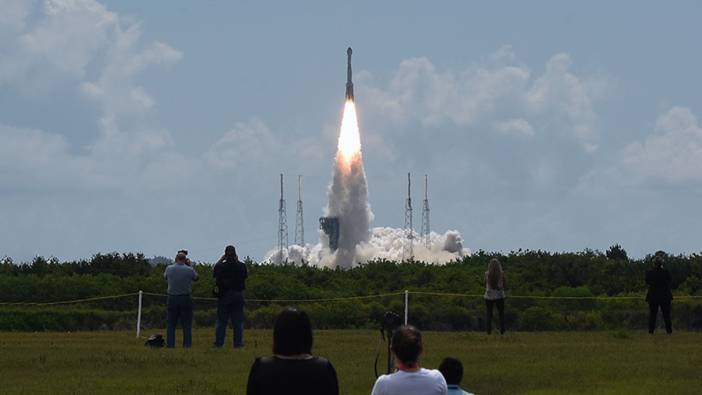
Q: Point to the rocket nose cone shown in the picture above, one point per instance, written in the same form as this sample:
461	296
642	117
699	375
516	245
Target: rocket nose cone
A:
349	51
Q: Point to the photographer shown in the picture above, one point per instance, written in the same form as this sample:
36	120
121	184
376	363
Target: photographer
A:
230	280
187	260
180	277
410	378
659	294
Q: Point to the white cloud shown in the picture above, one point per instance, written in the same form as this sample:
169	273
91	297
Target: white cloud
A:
499	91
419	91
33	159
246	142
517	127
565	98
115	89
53	43
36	160
672	154
251	151
72	41
82	45
13	15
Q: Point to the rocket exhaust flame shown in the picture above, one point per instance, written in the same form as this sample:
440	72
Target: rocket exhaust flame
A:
349	146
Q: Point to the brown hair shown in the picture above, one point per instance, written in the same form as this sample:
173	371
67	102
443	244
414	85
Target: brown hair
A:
407	344
494	273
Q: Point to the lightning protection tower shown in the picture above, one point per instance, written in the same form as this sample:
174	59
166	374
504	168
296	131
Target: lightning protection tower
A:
425	214
407	248
299	221
282	224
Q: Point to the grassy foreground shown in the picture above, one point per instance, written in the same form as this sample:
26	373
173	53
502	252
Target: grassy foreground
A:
516	363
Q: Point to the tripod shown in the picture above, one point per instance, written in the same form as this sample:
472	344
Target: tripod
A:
385	336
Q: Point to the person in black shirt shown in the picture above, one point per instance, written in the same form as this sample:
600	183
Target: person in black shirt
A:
292	369
658	280
230	280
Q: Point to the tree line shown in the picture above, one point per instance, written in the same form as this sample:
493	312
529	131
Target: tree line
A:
536	273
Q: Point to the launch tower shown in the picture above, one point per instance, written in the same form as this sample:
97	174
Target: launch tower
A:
282	224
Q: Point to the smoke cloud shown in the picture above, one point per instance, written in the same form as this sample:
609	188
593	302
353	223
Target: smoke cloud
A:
348	192
348	201
383	243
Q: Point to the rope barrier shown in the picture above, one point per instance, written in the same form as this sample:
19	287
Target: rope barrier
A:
193	297
406	294
298	300
361	297
640	297
67	301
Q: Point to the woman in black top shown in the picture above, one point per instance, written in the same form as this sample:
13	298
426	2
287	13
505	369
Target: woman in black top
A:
292	369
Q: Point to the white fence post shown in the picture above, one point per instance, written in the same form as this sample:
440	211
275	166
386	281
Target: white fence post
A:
138	326
406	305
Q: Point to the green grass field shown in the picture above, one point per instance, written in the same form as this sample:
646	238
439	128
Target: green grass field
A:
516	363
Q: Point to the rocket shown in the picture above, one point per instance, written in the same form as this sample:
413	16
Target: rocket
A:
349	83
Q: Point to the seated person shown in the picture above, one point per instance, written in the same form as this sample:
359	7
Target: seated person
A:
410	378
452	369
292	369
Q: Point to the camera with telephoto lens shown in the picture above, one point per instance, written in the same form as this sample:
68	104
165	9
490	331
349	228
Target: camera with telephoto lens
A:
391	321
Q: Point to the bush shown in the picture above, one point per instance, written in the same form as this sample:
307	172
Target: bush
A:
537	273
452	317
539	319
48	319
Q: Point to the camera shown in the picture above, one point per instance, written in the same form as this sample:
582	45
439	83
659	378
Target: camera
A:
391	321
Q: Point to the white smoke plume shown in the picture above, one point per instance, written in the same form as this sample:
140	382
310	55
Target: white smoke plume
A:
348	193
383	243
348	201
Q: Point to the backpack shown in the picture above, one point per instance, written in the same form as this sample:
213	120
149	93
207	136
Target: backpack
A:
155	341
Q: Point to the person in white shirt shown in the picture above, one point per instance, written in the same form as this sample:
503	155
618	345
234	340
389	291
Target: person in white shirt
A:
410	378
452	370
495	284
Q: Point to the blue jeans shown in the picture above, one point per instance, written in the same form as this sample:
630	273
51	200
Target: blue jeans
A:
180	308
230	306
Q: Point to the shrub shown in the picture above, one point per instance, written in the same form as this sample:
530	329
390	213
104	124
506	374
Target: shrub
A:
539	319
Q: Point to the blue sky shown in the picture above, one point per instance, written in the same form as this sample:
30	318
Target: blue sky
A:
151	126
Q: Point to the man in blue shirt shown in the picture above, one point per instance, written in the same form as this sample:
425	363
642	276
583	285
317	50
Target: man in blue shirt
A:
452	369
180	277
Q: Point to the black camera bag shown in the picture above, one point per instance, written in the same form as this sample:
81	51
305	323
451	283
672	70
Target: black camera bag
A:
155	341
